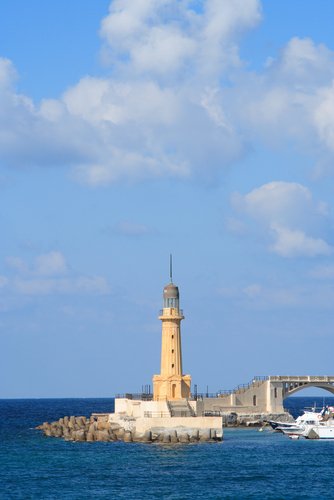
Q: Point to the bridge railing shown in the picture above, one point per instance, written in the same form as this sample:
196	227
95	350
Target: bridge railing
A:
240	388
301	378
257	380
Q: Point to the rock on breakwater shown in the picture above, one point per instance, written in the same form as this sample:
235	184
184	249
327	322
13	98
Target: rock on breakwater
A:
254	419
99	428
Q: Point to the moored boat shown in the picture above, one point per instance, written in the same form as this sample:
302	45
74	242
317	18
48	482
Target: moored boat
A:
320	426
324	430
308	416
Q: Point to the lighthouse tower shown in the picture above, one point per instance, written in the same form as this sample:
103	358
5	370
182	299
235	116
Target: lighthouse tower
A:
171	384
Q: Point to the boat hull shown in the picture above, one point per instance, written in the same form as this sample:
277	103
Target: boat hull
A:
320	432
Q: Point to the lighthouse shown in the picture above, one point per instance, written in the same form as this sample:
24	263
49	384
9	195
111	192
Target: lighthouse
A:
172	416
171	384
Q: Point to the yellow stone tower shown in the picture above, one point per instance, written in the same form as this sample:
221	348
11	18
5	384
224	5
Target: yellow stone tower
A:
171	384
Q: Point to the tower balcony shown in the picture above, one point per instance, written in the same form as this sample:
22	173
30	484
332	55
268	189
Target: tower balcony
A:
171	311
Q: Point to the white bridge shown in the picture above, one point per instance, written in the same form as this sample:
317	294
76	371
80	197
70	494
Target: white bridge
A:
292	384
265	394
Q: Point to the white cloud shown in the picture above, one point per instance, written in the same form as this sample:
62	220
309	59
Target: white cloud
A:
37	286
51	263
278	201
7	73
295	243
304	62
163	37
49	274
290	100
156	115
286	213
165	44
126	21
268	296
263	296
223	23
324	116
165	109
47	264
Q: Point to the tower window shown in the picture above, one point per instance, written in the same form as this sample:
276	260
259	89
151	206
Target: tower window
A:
172	351
173	365
254	400
172	336
275	392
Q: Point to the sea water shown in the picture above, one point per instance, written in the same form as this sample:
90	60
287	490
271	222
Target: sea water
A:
247	464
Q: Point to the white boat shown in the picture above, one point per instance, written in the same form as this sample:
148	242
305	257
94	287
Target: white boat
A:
320	426
324	430
308	416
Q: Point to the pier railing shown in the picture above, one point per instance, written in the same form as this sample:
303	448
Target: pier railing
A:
154	414
137	396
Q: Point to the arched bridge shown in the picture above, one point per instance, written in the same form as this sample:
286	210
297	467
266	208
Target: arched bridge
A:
266	394
292	384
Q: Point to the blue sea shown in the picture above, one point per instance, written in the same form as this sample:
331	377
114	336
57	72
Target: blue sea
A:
247	464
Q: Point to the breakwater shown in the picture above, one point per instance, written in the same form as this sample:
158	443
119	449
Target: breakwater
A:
234	419
99	428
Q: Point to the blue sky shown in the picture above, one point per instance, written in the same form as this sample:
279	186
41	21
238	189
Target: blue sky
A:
129	130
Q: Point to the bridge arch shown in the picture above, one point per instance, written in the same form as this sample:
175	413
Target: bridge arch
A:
288	385
290	389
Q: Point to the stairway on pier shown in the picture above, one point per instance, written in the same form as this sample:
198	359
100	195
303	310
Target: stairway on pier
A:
180	408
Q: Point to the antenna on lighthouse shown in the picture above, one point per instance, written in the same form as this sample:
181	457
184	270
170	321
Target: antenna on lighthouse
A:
171	268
